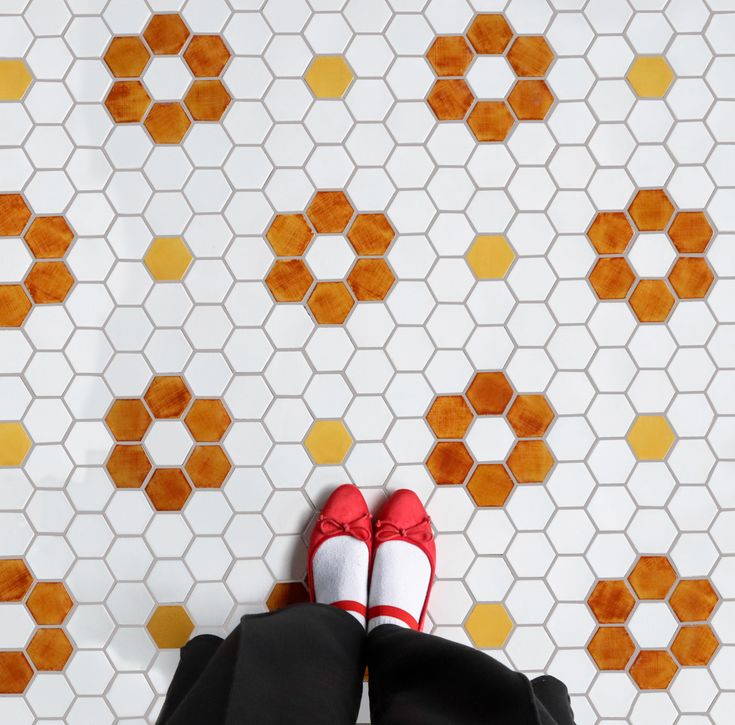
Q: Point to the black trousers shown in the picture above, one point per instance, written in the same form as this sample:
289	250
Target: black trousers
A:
304	666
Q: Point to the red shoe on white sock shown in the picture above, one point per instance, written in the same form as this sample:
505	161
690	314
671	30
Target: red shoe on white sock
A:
339	552
404	560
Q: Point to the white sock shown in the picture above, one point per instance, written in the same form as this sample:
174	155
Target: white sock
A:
340	569
401	573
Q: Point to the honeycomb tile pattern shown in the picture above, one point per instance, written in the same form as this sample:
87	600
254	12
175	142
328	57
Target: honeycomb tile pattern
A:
479	248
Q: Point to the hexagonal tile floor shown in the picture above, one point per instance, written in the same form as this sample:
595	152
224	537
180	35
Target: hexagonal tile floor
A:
483	249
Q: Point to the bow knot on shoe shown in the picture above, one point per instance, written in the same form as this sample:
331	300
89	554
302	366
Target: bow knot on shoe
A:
387	530
355	528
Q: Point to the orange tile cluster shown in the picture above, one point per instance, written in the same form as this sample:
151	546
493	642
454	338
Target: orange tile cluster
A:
452	99
490	393
167	35
611	234
652	578
168	398
330	212
48	239
49	648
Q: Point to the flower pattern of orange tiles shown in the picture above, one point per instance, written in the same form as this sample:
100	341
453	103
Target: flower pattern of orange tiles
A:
206	98
613	236
130	420
48	239
652	579
529	58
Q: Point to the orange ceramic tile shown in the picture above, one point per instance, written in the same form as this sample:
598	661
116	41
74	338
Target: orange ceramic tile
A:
489	393
15	673
450	99
610	232
289	235
168	489
128	419
690	232
207	100
14	442
208	466
530	461
693	600
530	56
330	303
14	215
450	55
612	278
449	462
289	280
170	626
206	55
15	580
490	120
330	212
167	396
490	484
611	648
128	466
49	282
284	594
611	602
490	33
49	650
208	420
371	234
329	76
651	300
449	416
489	625
653	670
651	210
49	603
49	237
531	100
370	279
695	645
167	123
691	277
650	76
652	577
127	101
530	416
127	56
166	34
14	305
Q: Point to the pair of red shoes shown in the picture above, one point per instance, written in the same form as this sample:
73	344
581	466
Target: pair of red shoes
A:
402	518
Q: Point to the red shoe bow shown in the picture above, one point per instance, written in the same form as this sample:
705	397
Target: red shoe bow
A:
387	530
332	527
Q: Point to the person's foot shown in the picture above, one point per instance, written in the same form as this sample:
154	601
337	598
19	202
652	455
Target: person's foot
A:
404	558
339	552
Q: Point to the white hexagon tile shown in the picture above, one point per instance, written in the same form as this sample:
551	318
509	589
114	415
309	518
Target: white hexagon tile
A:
484	249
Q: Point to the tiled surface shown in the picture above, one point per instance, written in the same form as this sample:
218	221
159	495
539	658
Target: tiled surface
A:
484	249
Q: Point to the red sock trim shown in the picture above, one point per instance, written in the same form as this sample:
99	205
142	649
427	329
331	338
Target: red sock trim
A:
350	606
395	612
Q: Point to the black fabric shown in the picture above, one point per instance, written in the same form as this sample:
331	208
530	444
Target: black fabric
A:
305	665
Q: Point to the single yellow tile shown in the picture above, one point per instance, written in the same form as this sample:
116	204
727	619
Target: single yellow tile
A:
14	79
329	76
170	626
168	258
650	437
650	76
328	441
489	625
490	257
14	444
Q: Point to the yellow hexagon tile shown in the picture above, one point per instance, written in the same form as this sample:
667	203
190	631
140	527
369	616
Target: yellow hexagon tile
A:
168	258
650	437
170	626
329	76
14	79
490	257
328	441
489	625
650	76
14	444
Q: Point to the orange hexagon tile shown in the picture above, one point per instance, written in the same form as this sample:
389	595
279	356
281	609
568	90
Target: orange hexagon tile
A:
693	600
612	278
650	76
14	305
128	466
490	485
530	56
284	594
530	461
330	212
14	441
289	280
490	33
49	649
652	577
207	420
370	279
206	55
690	232
653	670
128	419
611	648
49	603
49	282
691	277
14	215
490	120
289	235
127	56
166	34
611	602
328	442
49	237
449	416
450	99
694	645
170	626
15	580
127	101
610	232
168	258
207	100
530	416
489	625
490	257
371	234
167	396
489	393
168	489
650	437
449	462
531	100
208	466
15	79
651	300
651	210
15	673
330	303
167	123
329	76
450	55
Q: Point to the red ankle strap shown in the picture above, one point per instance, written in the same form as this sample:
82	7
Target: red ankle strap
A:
350	606
387	611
